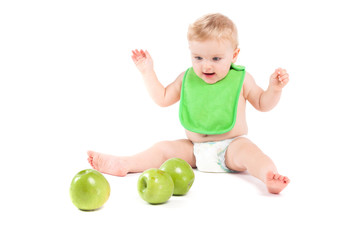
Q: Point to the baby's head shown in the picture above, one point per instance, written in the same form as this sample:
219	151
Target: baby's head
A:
215	27
213	44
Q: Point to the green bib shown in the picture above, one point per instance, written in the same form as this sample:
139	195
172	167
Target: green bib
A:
210	108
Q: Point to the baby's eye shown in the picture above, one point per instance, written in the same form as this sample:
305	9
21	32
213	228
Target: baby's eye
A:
216	59
198	58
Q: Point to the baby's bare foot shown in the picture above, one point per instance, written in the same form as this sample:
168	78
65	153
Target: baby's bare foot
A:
276	182
108	164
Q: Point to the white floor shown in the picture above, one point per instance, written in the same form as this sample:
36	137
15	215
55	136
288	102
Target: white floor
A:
321	201
68	85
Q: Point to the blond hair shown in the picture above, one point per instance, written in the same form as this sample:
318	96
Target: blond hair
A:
213	26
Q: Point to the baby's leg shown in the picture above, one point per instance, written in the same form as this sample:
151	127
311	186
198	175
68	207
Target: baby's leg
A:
243	155
150	158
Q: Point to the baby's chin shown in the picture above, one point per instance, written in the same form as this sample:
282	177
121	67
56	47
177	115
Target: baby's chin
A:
209	78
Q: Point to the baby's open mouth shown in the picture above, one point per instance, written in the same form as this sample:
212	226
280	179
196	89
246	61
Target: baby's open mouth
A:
209	74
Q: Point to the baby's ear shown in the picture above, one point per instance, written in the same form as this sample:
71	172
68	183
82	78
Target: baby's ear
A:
235	54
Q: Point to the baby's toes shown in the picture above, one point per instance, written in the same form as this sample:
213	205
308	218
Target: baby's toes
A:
286	180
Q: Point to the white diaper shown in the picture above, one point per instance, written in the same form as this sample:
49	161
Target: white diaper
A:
210	156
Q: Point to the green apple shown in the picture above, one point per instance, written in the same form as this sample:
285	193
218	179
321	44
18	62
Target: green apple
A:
89	190
181	173
155	186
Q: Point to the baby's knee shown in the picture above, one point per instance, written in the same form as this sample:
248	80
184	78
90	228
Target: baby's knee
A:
164	147
176	149
162	144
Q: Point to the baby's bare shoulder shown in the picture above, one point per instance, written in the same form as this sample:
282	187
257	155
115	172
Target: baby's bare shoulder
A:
179	79
248	84
248	78
181	76
175	86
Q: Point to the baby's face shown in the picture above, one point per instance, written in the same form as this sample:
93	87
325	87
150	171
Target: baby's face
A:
211	59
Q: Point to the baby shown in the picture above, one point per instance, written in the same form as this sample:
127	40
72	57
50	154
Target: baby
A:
213	94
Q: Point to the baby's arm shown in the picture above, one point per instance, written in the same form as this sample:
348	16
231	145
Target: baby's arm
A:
162	96
265	100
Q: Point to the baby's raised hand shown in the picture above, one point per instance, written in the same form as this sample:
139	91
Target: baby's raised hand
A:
279	78
142	60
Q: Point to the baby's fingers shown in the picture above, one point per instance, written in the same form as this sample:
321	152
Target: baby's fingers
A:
134	58
284	77
281	72
147	55
137	55
274	75
142	53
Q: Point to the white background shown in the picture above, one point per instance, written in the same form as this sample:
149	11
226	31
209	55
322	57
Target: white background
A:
68	85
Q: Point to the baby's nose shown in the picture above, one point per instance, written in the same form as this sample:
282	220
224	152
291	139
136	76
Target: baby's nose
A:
207	65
